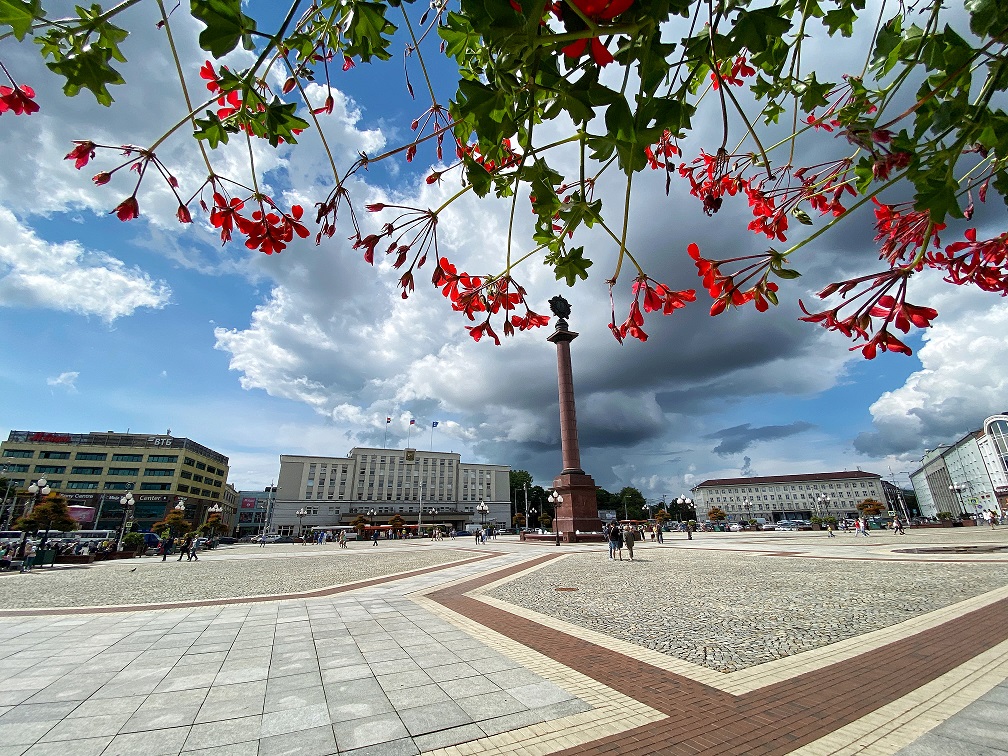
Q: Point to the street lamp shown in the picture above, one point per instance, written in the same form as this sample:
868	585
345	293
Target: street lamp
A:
180	507
301	513
683	502
482	508
127	504
556	500
38	489
954	488
216	509
6	519
528	514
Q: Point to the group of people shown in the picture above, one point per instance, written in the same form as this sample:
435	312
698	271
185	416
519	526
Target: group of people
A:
11	552
187	548
620	537
484	533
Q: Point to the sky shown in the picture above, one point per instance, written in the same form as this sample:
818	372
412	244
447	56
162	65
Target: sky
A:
150	326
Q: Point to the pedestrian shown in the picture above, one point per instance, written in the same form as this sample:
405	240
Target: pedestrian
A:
628	538
374	537
166	545
611	535
192	551
898	526
185	548
618	534
477	537
989	516
829	530
29	557
659	531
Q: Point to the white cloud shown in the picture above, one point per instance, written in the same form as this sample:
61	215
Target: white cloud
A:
65	380
68	278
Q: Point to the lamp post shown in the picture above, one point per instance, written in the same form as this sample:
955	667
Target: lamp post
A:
38	489
301	513
482	508
526	506
556	500
954	488
683	502
127	504
5	518
529	513
747	504
216	509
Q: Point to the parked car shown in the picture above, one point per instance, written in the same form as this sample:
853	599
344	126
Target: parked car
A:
768	526
735	528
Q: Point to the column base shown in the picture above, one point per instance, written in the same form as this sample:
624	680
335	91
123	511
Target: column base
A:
579	510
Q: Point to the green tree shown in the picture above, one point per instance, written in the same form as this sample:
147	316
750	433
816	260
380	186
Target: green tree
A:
51	513
396	523
359	523
716	514
174	522
870	507
660	517
214	526
545	521
631	503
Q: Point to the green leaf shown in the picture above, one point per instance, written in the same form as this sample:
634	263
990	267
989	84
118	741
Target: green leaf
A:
988	17
459	36
757	29
572	266
87	70
19	15
212	130
226	25
369	32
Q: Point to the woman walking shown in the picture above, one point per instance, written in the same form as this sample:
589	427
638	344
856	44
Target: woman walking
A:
629	536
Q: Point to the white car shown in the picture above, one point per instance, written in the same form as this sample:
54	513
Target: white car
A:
769	526
735	528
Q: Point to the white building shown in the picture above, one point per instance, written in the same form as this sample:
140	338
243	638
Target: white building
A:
967	477
419	486
788	497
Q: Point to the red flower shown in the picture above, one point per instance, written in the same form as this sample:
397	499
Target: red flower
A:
127	209
207	72
603	9
80	154
225	215
183	214
18	100
348	63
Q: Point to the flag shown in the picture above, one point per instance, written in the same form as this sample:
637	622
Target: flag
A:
412	421
388	420
434	424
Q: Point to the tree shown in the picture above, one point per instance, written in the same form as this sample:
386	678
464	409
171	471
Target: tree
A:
632	502
359	523
51	513
871	507
660	517
716	514
545	521
213	526
518	520
174	522
919	134
396	523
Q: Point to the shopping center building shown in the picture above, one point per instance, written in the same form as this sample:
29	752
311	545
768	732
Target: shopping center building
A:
422	487
95	470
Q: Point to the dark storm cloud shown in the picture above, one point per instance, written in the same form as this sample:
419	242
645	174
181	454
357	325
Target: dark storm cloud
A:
740	437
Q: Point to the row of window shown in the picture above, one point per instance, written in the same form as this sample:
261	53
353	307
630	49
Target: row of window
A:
91	456
812	487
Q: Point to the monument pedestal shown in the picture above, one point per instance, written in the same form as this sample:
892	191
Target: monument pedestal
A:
579	509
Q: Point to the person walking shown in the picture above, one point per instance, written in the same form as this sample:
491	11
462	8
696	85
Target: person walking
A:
374	537
629	536
29	557
184	551
166	547
192	550
898	526
618	535
610	530
829	530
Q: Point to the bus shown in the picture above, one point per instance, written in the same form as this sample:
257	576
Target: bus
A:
93	536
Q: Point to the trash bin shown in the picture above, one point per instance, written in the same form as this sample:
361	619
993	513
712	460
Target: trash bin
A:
44	557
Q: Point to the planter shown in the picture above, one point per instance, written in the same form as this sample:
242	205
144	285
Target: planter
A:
103	556
75	559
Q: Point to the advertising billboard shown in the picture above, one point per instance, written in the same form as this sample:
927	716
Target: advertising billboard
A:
80	514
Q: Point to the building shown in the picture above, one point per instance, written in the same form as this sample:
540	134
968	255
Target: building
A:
253	509
96	469
967	477
420	486
788	497
229	512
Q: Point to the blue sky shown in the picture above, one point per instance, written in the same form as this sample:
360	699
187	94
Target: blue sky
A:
148	325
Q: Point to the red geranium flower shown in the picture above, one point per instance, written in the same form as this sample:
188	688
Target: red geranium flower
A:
128	209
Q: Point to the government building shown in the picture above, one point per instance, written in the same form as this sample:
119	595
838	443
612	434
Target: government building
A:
790	497
96	469
422	487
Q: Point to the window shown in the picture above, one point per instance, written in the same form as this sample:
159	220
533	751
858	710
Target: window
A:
19	453
155	486
54	455
16	468
127	457
164	459
49	469
86	471
182	489
158	472
186	474
82	485
188	461
197	478
201	466
118	486
92	456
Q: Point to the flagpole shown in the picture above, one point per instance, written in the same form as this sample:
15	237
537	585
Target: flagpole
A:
385	442
409	433
432	436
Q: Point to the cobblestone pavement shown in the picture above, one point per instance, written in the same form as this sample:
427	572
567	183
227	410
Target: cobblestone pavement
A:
729	610
240	572
421	661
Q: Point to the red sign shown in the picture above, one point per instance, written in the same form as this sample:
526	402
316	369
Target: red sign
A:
248	503
81	514
50	438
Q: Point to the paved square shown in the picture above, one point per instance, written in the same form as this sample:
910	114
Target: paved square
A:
732	643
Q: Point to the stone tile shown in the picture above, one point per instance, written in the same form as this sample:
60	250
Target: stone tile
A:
84	747
293	699
468	686
164	742
421	720
25	733
514	678
369	731
294	720
294	682
540	694
452	671
97	726
451	736
407	698
400	680
317	741
490	705
232	674
247	748
345	673
164	710
935	745
222	733
346	708
38	712
227	701
510	722
186	678
401	747
394	666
